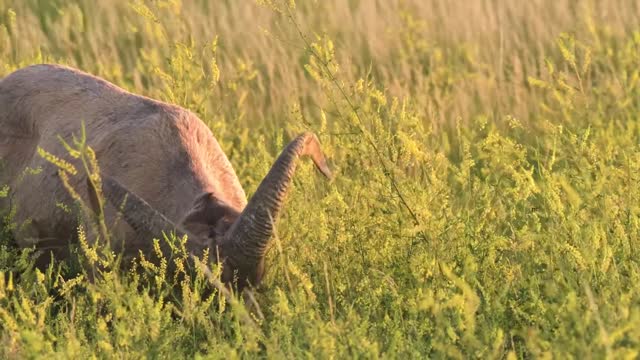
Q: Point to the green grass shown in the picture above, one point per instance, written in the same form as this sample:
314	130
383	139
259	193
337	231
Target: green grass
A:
486	200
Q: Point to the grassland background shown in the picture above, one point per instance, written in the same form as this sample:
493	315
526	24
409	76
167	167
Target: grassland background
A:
486	199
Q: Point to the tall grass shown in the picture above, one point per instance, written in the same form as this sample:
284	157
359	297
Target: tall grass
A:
486	199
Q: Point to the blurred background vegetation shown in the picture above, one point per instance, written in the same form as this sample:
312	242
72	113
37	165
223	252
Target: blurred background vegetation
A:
486	199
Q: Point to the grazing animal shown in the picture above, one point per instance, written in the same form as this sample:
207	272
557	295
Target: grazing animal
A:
162	169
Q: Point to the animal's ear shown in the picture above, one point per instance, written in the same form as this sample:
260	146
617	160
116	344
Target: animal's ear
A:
208	215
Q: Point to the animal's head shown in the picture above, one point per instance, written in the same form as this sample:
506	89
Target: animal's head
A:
239	239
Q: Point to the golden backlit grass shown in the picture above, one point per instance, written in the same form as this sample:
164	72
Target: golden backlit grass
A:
486	198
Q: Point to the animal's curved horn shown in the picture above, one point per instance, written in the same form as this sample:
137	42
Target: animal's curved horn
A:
249	236
144	219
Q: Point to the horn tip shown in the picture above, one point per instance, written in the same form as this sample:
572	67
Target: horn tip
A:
318	157
324	169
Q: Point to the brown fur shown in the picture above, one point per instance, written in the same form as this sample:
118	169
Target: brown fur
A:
161	152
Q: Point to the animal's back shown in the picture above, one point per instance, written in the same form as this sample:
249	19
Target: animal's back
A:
40	98
41	102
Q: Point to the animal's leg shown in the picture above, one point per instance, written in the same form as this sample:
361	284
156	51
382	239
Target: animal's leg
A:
45	255
15	153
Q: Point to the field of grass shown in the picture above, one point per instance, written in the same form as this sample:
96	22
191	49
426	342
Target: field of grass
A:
486	200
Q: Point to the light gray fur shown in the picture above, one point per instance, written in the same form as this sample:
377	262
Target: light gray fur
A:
161	152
